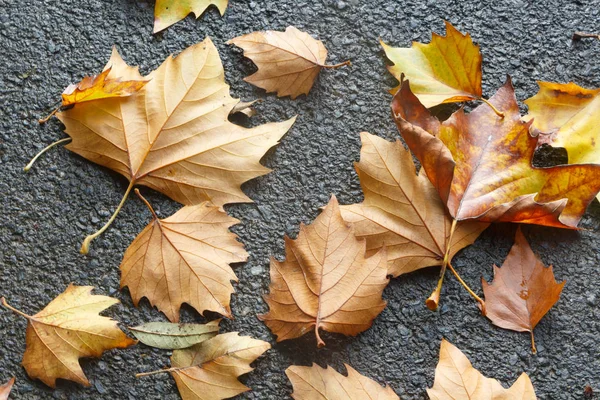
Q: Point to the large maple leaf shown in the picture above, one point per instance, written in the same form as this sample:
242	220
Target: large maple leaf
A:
480	164
168	12
173	135
326	282
67	329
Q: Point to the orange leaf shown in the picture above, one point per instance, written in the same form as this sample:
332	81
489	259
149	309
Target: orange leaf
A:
5	389
480	164
168	12
523	290
325	282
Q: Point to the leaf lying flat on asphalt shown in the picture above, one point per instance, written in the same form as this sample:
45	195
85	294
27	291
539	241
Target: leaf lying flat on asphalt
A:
480	164
169	12
184	259
447	70
316	383
523	290
5	389
288	62
402	211
171	336
325	282
67	329
456	379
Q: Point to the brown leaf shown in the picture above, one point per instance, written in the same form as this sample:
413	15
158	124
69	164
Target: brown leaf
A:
288	62
5	389
184	259
523	290
168	12
402	211
67	329
480	164
456	379
325	282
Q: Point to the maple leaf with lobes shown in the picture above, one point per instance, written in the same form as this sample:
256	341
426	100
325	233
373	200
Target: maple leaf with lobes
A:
169	12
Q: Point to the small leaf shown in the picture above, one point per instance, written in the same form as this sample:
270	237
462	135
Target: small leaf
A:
169	12
5	389
170	336
316	383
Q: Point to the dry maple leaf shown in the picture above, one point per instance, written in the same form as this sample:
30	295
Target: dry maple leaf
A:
209	370
402	211
480	164
316	383
456	379
5	389
173	135
571	115
447	70
67	329
288	62
184	259
326	282
523	290
169	12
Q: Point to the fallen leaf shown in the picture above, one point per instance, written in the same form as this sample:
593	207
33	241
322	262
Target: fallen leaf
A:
523	290
288	62
456	379
402	211
99	87
173	135
170	336
325	282
184	259
316	383
209	370
480	164
5	389
169	12
447	70
570	115
245	107
67	329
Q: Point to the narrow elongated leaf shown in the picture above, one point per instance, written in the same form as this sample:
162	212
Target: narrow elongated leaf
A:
171	336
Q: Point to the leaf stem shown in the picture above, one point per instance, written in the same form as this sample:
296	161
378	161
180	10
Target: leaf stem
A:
347	62
85	246
46	119
45	149
498	112
434	299
533	348
320	342
146	202
160	371
471	292
11	308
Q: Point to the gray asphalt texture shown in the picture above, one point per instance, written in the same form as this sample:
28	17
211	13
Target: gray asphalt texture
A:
48	44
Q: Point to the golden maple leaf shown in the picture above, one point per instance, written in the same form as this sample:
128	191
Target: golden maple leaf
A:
288	62
326	282
184	259
169	12
173	135
67	329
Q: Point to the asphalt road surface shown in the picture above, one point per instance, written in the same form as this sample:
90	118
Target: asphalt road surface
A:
48	44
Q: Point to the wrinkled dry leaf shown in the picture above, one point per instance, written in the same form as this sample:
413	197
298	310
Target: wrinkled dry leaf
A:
568	116
99	87
523	290
288	62
169	12
245	107
184	259
456	379
480	164
402	211
5	389
447	70
316	383
67	329
325	282
171	336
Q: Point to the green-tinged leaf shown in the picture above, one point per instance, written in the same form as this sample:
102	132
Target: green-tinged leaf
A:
167	335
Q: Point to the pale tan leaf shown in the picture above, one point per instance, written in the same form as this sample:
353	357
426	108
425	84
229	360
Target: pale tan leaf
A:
168	12
6	388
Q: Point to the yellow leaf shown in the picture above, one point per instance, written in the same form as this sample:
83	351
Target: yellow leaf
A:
447	70
169	12
288	62
67	329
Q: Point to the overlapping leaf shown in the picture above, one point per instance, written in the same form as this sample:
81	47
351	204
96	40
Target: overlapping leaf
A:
523	290
480	164
402	211
325	282
167	335
6	389
316	383
288	62
456	379
67	329
447	70
169	12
